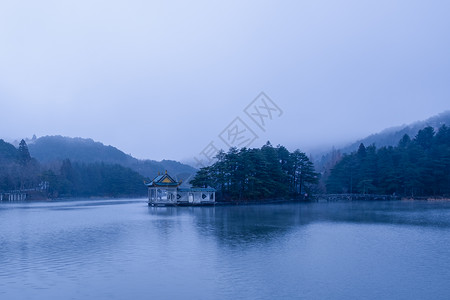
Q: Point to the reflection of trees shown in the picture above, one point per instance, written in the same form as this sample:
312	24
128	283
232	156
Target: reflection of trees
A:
253	224
234	225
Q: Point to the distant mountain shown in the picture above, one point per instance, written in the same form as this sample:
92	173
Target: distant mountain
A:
8	153
391	136
48	149
56	148
324	161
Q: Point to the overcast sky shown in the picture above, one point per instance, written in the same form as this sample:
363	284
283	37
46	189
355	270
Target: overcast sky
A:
162	80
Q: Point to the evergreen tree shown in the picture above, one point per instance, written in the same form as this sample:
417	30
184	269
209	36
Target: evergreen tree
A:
24	156
417	167
255	174
202	178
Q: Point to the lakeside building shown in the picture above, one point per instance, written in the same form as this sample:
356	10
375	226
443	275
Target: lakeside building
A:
163	190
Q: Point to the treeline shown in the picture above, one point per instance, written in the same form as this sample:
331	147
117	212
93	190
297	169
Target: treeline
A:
19	171
415	167
95	179
256	174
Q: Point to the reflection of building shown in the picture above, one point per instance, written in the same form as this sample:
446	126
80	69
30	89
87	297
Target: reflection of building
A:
164	190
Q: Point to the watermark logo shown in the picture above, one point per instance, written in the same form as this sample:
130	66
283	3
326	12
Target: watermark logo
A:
261	110
207	155
238	133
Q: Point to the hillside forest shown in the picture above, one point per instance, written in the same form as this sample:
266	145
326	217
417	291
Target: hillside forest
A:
19	171
418	166
415	167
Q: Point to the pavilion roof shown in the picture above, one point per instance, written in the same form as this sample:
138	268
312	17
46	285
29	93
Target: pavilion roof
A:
164	180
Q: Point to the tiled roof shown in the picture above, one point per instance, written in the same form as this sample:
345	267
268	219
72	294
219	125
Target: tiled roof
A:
163	180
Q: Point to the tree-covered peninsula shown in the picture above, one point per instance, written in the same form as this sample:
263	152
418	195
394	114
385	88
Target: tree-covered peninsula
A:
258	174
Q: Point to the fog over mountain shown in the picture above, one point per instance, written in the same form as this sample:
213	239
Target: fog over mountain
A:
326	158
48	149
391	136
55	148
162	80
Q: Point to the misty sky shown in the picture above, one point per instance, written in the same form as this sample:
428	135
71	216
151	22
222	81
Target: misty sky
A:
164	79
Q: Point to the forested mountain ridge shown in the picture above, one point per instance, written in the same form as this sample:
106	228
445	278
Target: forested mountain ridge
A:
323	162
391	136
56	148
8	152
76	167
418	166
62	178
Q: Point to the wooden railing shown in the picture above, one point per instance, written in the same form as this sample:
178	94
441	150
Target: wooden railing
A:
13	196
353	197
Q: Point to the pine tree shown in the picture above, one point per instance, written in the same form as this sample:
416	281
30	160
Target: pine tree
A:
252	174
202	178
24	156
418	167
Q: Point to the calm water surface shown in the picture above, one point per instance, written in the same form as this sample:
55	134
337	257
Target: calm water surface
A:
122	249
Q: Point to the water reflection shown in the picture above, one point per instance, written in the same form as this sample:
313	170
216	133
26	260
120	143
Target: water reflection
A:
250	224
56	235
412	213
125	249
246	224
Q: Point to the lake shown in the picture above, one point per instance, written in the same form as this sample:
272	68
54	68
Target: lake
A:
123	249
